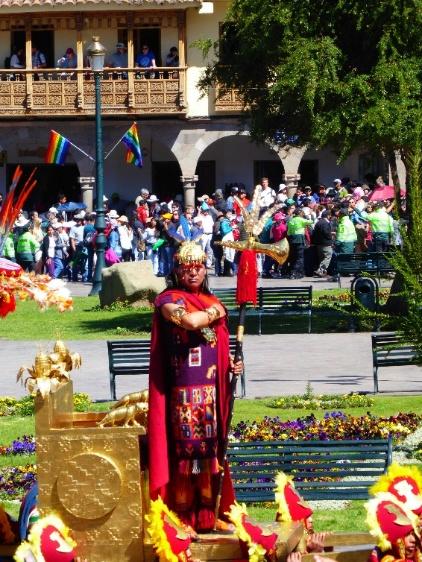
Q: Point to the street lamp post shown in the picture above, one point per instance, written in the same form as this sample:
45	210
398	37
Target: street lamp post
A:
96	53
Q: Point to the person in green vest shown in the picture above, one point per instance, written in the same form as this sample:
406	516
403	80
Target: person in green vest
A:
382	226
9	248
346	233
296	236
25	249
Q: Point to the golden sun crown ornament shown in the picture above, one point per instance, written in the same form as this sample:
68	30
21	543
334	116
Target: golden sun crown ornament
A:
50	370
253	225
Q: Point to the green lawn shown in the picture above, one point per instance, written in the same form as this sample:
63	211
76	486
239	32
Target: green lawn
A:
86	321
89	321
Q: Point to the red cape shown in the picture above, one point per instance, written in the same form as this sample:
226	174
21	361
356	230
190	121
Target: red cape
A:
158	425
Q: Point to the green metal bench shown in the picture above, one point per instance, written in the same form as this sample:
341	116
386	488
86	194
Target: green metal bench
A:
276	301
372	263
282	301
391	350
322	470
131	357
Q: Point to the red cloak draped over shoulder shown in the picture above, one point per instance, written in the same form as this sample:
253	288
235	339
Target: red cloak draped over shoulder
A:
159	386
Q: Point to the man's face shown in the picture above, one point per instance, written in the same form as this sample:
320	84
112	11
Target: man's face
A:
191	276
264	183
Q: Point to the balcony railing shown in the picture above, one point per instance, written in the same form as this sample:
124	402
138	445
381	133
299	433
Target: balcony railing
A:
227	100
63	92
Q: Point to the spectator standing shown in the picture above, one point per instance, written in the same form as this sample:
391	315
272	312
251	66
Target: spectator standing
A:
151	235
119	58
78	250
267	195
230	199
68	60
17	59
90	235
126	237
346	233
9	247
38	58
382	226
146	60
219	202
322	238
243	196
282	193
48	248
172	58
208	226
38	234
296	236
26	248
61	254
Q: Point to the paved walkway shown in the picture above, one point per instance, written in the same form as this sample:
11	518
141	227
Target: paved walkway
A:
278	364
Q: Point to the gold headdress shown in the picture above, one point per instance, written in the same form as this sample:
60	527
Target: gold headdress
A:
190	253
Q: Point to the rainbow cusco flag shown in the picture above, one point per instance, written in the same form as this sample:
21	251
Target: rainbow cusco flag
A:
134	152
57	150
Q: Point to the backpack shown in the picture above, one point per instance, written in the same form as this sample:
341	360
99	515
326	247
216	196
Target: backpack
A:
89	238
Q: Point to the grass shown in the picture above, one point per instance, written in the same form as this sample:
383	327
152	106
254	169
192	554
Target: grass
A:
88	321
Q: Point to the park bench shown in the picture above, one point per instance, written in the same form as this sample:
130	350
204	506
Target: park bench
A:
282	301
131	357
322	470
391	350
276	301
372	263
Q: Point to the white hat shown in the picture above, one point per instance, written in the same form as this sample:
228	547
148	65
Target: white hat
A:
282	186
113	214
337	180
21	221
123	218
203	198
153	199
105	199
80	215
53	210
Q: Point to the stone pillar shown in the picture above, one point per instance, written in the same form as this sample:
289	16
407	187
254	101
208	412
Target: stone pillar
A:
87	188
189	187
291	181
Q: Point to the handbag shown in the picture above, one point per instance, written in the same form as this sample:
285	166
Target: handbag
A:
111	257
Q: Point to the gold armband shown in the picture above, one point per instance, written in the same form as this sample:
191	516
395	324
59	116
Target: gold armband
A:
177	315
213	313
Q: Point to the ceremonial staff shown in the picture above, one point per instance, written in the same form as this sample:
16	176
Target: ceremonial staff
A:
246	291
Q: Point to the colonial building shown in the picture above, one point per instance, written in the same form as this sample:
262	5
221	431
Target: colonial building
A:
190	141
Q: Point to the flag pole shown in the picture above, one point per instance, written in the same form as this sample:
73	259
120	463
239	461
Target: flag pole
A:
118	142
80	150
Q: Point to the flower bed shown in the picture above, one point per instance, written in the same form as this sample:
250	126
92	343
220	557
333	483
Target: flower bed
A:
21	446
10	406
15	481
310	401
334	425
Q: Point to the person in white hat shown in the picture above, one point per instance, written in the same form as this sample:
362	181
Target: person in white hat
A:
78	251
126	237
282	193
113	214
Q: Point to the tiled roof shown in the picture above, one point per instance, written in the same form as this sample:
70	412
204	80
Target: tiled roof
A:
111	3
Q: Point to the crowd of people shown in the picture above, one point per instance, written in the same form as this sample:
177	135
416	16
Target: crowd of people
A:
145	59
319	223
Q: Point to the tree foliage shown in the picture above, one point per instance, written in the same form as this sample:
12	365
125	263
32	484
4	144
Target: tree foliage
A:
345	73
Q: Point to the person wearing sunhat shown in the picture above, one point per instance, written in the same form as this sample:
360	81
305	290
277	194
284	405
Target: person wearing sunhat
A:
126	237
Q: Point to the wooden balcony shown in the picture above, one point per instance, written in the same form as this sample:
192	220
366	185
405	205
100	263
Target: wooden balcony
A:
69	93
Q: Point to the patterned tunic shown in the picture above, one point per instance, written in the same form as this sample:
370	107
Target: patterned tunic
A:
192	396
